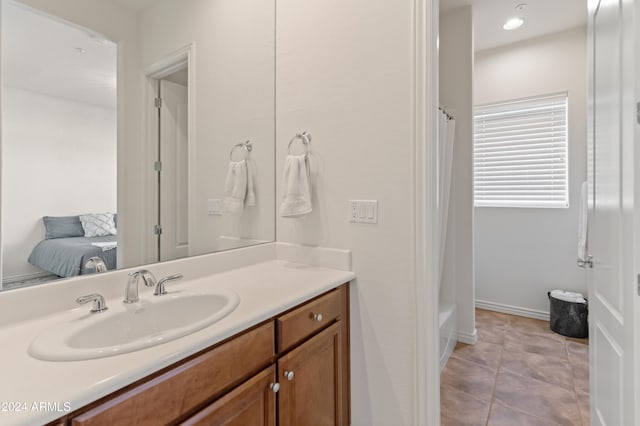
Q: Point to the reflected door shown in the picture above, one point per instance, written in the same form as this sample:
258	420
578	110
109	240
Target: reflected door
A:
174	182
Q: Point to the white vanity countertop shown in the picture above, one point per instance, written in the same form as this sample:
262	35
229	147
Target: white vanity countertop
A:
28	385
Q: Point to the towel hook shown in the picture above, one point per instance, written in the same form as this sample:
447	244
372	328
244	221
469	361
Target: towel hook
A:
305	138
247	146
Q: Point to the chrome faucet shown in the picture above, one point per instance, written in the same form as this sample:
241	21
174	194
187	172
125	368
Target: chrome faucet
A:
99	304
131	293
96	263
160	290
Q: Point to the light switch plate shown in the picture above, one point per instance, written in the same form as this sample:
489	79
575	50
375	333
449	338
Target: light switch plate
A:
214	207
363	211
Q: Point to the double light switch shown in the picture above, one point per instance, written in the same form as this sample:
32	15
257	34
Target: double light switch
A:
363	211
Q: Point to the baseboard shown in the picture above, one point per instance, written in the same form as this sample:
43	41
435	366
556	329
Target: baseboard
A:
468	338
512	310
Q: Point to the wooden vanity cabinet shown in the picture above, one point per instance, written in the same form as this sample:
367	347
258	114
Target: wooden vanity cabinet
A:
290	370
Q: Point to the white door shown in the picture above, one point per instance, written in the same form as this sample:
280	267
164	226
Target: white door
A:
174	156
612	283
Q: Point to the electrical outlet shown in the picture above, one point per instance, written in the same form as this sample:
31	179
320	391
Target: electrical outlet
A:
363	211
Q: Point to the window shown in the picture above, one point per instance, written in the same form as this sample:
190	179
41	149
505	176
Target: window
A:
520	153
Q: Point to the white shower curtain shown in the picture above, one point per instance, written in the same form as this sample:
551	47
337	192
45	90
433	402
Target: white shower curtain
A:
446	133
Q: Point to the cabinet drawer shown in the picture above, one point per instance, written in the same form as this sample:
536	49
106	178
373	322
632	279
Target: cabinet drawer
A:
307	320
182	389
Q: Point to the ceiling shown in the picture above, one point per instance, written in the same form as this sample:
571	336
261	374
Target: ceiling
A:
541	17
45	55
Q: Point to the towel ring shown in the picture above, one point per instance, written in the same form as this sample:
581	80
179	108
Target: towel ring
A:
247	146
305	138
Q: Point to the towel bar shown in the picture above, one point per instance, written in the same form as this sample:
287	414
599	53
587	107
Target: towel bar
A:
305	138
247	146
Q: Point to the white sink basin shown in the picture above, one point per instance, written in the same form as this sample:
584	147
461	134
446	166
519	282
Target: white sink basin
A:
127	328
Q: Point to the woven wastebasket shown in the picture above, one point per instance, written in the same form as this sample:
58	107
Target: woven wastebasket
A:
568	318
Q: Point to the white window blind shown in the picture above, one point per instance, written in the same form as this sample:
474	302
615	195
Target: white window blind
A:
520	153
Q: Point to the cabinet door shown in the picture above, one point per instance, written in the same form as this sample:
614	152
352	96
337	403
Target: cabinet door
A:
310	380
252	403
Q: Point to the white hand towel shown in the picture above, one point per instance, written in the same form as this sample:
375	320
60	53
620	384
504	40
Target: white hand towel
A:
583	214
107	245
296	187
238	187
250	199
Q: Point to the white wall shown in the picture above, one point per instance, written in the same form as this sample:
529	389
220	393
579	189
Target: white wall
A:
234	102
345	74
456	95
522	253
65	165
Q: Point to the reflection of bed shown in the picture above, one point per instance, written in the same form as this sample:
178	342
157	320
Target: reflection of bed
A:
66	257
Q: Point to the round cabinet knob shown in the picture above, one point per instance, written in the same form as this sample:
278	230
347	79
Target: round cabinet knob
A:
317	317
275	387
289	375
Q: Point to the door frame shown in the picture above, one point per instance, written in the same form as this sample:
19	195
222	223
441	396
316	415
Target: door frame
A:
631	121
426	244
636	219
172	62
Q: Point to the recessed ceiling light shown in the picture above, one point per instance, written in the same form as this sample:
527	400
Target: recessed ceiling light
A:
513	23
80	49
521	7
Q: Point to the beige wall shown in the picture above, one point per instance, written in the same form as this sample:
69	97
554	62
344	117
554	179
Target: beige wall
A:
522	253
345	74
234	102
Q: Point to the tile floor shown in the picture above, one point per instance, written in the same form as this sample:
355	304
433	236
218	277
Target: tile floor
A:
519	373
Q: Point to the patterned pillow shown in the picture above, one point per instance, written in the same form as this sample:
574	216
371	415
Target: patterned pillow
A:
98	225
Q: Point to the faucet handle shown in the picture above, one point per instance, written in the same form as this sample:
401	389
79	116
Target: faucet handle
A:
99	304
160	290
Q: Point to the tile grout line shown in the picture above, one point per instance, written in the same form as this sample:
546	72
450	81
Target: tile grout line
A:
573	379
495	382
501	367
513	325
575	387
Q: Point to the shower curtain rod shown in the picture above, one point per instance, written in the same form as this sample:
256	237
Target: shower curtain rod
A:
449	116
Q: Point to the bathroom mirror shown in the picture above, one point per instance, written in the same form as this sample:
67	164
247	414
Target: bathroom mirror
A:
143	130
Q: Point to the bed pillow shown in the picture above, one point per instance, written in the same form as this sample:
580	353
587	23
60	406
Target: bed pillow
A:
62	227
98	225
